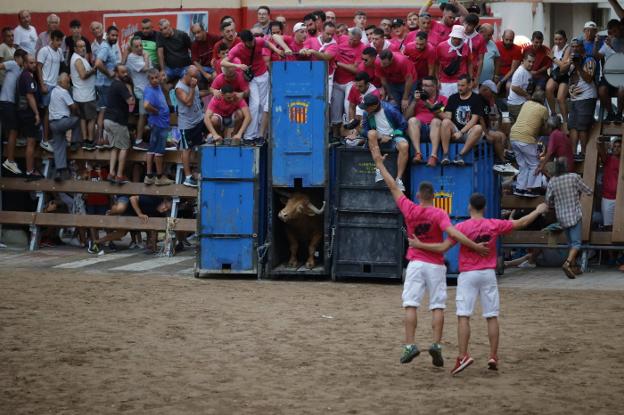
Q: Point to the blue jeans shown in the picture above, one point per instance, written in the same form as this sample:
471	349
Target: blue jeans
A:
158	139
573	233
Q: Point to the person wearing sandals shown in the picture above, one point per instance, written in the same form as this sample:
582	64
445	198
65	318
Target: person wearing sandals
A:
563	192
557	84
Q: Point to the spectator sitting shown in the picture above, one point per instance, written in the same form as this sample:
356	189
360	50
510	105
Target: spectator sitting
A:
583	96
542	59
610	174
202	50
524	133
61	120
227	111
521	86
155	105
558	146
232	77
490	122
563	193
384	126
461	121
510	58
360	88
424	115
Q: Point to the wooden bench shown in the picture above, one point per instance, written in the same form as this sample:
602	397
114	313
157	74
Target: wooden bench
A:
104	155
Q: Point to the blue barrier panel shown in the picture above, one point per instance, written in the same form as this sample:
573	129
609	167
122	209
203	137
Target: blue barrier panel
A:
299	121
231	211
421	172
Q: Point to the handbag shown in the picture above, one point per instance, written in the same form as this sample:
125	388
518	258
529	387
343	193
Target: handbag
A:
453	67
248	73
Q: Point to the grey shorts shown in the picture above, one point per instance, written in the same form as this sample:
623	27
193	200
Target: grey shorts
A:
581	114
392	144
117	135
87	110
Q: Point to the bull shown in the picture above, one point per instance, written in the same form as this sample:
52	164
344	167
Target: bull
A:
304	222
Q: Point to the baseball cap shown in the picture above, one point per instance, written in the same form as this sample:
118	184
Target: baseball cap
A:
590	25
397	23
299	26
369	99
490	85
457	32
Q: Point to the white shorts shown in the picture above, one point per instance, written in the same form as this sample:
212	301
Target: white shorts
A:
448	88
473	284
608	211
421	275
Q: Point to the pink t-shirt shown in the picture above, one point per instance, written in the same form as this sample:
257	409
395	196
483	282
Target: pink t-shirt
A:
348	55
445	56
397	71
330	48
427	223
238	83
439	32
295	47
242	52
423	114
478	47
355	97
399	44
481	230
610	177
225	109
370	70
420	58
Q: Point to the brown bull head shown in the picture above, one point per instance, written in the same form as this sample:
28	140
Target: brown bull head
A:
297	205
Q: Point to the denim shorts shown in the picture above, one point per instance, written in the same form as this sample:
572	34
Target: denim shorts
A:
102	92
158	139
45	98
573	233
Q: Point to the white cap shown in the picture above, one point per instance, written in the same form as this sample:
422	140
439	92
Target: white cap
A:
457	32
590	25
490	85
299	26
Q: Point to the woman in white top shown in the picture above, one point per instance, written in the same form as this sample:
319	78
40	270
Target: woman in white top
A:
557	85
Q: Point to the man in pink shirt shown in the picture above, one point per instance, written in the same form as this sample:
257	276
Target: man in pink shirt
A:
227	112
379	41
453	61
292	44
397	77
324	47
422	54
249	53
476	44
477	275
232	77
426	270
360	88
440	31
369	57
400	35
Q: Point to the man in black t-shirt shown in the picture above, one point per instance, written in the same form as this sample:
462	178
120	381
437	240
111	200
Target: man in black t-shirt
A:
28	117
70	42
174	50
462	114
118	101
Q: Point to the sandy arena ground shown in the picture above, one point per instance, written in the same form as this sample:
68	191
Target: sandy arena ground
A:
73	343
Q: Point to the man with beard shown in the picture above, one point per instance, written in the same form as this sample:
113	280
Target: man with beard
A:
108	56
149	39
229	38
422	54
173	50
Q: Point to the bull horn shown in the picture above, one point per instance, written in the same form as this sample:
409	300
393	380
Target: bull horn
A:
315	210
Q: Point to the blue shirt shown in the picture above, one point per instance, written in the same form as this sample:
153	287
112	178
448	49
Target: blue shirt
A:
110	56
156	98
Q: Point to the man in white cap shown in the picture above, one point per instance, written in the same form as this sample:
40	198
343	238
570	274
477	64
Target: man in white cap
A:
591	42
292	44
453	61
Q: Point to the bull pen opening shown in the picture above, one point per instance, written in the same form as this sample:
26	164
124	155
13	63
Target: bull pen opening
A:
278	263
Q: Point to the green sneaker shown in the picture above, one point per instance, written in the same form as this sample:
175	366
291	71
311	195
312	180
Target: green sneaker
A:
410	351
436	355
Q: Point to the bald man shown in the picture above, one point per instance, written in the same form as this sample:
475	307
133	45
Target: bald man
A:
61	120
25	35
491	59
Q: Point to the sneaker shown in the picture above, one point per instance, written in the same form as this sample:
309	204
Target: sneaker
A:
121	180
493	363
378	176
149	180
46	146
171	146
99	144
510	156
142	146
60	175
519	192
190	182
94	249
505	168
417	159
33	176
461	364
531	193
526	265
436	355
111	179
459	160
163	181
433	161
579	157
106	144
134	245
610	117
410	351
11	166
445	160
400	185
88	145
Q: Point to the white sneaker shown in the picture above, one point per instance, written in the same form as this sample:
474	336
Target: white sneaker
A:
378	176
46	146
526	264
506	168
400	185
11	166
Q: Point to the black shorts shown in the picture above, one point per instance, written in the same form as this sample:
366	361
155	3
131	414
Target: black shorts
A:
27	127
613	91
8	117
193	137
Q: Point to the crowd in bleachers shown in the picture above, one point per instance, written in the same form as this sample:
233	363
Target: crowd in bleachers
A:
398	84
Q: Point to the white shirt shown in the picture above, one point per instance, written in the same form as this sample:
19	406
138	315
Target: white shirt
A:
60	100
138	70
382	125
359	111
520	79
83	89
51	60
25	38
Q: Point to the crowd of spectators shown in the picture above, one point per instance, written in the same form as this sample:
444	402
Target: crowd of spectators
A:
397	84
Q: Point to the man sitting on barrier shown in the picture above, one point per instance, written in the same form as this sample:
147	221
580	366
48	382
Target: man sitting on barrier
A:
425	269
384	127
490	122
233	77
61	120
361	87
424	115
461	121
226	112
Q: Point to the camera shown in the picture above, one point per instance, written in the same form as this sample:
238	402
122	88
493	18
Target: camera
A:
424	95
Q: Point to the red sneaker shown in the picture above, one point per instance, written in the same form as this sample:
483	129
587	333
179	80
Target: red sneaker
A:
461	364
433	161
493	363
